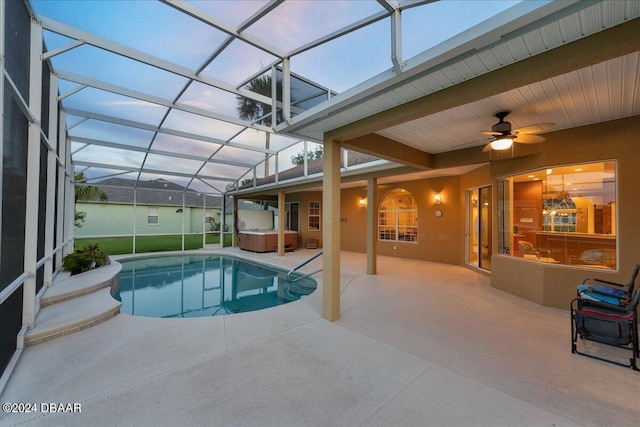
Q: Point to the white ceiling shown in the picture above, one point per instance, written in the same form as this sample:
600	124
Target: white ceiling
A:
605	91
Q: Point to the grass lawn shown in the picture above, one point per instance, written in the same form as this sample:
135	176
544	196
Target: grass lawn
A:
124	245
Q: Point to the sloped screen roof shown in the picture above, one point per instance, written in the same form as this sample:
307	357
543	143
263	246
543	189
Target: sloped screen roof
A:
158	89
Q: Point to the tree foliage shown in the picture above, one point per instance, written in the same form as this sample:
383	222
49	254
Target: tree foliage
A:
85	193
314	154
256	111
252	110
259	112
85	259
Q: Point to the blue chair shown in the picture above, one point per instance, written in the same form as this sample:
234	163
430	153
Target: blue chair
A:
592	290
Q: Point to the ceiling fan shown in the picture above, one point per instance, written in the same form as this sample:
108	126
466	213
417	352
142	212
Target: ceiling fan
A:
502	137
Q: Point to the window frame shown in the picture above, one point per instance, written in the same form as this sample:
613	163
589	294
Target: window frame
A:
157	215
315	207
572	238
392	230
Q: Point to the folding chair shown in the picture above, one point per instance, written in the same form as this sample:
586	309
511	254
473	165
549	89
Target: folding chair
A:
612	324
604	290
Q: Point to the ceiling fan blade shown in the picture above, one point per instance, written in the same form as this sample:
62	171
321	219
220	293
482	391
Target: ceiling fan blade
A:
486	148
540	127
490	133
528	139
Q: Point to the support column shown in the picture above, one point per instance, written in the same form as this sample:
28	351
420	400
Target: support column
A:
286	89
33	178
49	243
396	41
331	230
184	213
281	222
2	49
70	200
135	217
234	229
223	219
60	208
204	221
372	226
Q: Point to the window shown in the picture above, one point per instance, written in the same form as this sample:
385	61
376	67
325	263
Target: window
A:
561	215
208	215
152	216
398	217
210	222
314	216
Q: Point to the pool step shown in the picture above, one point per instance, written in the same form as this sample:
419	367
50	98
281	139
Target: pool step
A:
301	289
72	315
73	303
66	287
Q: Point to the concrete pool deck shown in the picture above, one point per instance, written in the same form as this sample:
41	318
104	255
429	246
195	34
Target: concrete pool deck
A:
418	344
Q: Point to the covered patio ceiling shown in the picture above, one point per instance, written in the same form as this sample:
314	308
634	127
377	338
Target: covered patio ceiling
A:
152	89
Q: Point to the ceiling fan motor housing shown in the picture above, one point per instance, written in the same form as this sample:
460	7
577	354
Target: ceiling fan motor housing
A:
502	126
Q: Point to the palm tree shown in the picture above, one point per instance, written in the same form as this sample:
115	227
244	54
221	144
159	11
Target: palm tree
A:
85	193
252	110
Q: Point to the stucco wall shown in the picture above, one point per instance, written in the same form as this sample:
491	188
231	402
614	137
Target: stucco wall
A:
303	199
109	219
250	220
105	220
434	232
353	220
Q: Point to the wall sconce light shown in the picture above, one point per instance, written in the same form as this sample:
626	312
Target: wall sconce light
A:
363	202
438	198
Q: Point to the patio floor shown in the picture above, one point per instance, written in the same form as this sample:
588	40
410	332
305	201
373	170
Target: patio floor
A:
419	344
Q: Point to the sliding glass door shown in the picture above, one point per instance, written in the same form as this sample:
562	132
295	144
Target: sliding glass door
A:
478	234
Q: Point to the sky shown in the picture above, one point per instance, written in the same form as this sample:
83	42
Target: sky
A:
164	32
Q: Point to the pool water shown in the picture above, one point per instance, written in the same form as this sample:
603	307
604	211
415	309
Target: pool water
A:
204	285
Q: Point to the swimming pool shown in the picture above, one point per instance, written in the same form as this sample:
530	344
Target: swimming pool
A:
203	285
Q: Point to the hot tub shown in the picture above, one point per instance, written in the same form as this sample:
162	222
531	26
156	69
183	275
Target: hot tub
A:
267	241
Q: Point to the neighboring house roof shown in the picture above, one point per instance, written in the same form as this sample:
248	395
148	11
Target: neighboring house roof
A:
155	192
313	167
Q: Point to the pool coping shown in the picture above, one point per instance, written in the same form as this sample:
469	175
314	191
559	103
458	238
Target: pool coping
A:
73	303
213	253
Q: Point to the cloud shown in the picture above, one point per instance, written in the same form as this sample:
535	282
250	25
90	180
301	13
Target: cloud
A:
133	102
198	104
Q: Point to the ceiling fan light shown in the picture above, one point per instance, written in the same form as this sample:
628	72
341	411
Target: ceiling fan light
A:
502	143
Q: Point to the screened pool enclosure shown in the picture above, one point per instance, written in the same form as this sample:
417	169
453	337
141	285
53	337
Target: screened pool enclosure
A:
178	111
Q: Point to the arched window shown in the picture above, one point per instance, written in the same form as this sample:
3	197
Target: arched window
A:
398	217
559	214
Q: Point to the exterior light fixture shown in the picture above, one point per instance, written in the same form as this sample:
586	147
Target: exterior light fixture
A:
502	143
363	202
438	198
